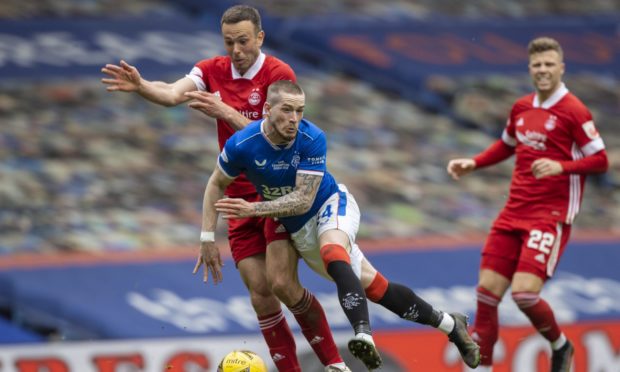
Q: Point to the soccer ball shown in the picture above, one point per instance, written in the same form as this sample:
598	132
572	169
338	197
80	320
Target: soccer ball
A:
242	361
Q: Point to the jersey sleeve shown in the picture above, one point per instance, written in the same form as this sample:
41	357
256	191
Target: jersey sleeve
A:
584	131
199	74
314	159
508	135
229	159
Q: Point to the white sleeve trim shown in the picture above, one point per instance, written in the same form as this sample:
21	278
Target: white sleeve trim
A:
224	172
196	76
508	139
593	147
316	173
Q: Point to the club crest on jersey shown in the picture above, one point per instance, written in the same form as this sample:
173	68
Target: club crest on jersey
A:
255	97
295	161
551	122
590	130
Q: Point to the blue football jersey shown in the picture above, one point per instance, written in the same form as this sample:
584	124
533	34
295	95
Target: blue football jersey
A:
273	169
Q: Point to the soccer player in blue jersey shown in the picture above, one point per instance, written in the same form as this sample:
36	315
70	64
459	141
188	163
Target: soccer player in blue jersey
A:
284	156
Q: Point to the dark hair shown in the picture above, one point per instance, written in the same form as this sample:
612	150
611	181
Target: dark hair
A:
282	86
543	44
239	13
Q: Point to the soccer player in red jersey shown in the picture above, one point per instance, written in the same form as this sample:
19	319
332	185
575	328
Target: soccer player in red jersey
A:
556	144
232	89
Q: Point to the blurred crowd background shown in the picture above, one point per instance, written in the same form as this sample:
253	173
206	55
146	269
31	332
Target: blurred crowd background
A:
16	9
82	169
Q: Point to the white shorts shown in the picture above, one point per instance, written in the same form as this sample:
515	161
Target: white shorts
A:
339	212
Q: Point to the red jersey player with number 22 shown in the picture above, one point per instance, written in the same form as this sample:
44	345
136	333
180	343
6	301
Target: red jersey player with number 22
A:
556	144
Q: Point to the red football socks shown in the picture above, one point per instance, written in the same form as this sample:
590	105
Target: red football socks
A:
311	318
486	327
280	341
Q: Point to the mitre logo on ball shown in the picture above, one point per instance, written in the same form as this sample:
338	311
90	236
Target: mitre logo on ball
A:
242	361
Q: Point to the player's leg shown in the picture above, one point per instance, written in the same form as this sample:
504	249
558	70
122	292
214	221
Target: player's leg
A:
282	275
247	244
403	301
497	266
336	226
542	249
335	256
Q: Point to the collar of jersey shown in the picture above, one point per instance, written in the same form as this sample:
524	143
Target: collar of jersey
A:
275	147
252	71
555	98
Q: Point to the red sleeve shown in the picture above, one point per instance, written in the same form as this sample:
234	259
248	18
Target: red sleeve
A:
596	163
282	71
494	154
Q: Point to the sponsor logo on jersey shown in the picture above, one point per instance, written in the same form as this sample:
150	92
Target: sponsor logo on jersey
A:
281	165
252	115
255	97
271	193
590	130
316	160
260	164
551	122
533	139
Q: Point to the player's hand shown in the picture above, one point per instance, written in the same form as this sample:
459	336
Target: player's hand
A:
209	104
457	168
235	208
544	167
209	256
124	78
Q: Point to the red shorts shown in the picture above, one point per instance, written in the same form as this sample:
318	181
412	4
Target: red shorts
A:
534	246
250	236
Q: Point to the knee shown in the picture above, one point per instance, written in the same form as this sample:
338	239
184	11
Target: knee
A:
493	282
525	299
286	289
262	299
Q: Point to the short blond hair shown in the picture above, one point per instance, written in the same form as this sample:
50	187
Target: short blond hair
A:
275	90
543	44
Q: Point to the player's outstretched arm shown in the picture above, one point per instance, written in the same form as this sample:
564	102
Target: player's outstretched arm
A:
213	106
126	78
209	254
293	204
458	168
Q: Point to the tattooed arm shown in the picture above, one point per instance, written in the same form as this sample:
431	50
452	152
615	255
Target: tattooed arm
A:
293	204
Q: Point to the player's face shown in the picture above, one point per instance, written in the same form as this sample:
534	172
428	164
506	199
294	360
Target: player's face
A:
242	44
546	70
284	117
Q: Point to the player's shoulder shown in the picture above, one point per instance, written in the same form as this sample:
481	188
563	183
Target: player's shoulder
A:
310	131
523	103
572	103
219	63
244	136
274	65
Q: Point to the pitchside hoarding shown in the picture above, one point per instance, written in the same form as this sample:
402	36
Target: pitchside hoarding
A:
154	315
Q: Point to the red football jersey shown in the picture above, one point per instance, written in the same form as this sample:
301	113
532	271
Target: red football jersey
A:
245	93
561	128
